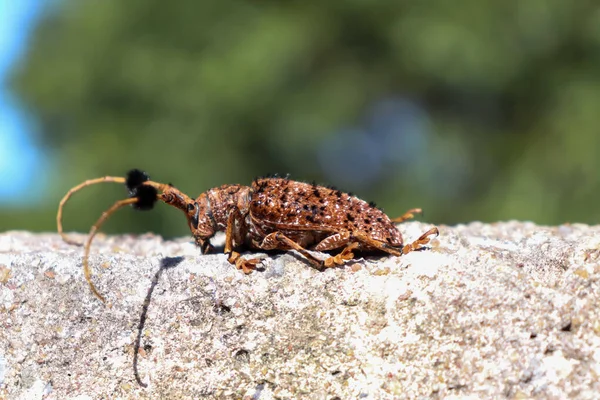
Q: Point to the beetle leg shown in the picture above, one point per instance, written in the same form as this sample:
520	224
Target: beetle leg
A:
246	265
336	241
407	215
369	242
341	258
278	241
236	229
361	237
416	245
421	241
205	246
333	242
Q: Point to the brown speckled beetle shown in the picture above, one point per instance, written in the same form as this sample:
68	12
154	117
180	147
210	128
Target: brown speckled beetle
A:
273	214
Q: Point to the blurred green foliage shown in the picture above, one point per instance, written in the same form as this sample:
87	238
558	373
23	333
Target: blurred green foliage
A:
201	93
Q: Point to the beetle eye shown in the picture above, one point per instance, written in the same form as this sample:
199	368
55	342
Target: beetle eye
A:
190	207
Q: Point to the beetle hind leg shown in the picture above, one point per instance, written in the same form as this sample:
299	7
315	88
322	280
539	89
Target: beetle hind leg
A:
421	241
407	215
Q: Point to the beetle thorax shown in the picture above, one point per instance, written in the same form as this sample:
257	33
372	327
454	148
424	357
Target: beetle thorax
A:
215	205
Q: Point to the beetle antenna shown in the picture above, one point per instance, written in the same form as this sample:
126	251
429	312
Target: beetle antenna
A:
86	265
142	197
59	214
143	193
135	178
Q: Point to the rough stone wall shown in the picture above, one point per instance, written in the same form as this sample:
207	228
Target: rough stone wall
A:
507	310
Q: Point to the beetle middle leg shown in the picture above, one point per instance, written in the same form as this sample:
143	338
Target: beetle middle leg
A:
278	241
336	241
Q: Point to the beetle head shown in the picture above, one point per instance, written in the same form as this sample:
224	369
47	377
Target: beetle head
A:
201	221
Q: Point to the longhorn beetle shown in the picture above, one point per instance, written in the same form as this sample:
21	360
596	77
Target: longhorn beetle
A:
274	213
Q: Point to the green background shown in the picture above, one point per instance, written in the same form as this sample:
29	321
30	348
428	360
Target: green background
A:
505	95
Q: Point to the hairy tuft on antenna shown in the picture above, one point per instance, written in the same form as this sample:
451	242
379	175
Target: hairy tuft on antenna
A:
134	179
146	195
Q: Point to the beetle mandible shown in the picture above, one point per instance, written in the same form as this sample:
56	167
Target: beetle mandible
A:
274	213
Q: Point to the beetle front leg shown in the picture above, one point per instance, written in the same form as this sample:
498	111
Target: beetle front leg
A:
246	265
205	246
236	229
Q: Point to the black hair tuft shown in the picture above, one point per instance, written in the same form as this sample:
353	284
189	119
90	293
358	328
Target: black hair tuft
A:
146	195
135	178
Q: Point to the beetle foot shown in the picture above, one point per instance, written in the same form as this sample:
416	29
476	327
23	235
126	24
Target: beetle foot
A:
247	266
335	260
340	259
421	241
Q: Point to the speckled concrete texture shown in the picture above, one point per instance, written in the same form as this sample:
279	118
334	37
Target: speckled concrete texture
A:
505	310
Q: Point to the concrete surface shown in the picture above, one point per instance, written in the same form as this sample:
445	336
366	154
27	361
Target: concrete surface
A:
507	310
